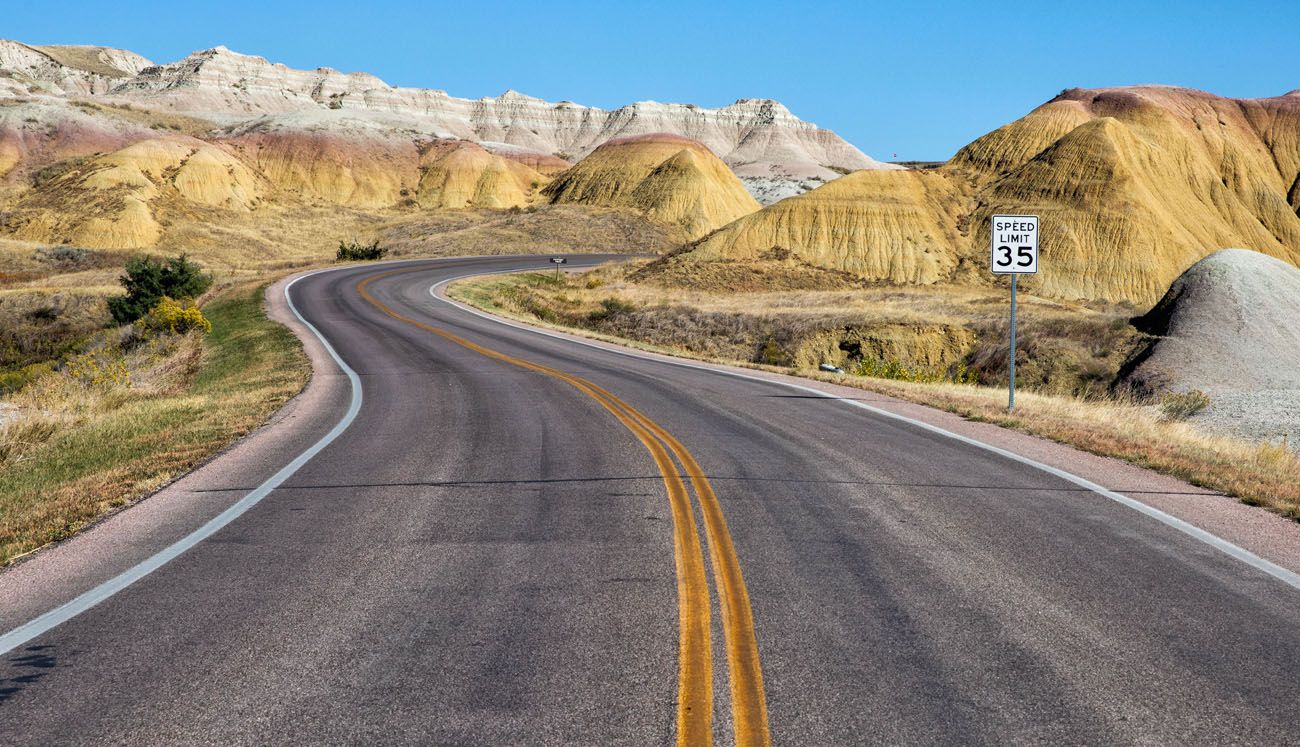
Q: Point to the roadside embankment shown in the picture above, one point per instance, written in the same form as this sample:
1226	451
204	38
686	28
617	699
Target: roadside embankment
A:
118	421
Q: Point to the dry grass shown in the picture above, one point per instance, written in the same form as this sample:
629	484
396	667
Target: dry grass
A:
932	331
81	58
115	423
1265	474
151	118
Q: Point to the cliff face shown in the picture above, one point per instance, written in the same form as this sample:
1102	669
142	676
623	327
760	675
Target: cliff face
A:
1134	185
772	150
752	132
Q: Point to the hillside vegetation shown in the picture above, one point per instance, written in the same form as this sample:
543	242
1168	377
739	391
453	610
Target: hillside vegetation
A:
122	418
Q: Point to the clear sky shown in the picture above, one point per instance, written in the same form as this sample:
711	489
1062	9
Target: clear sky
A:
917	79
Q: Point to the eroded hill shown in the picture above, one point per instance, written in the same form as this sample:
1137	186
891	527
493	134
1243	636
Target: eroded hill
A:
1134	185
668	178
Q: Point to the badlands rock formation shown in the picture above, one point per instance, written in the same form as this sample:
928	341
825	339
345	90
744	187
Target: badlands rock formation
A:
761	139
1230	326
37	132
367	161
111	200
1231	321
459	174
888	225
1133	184
671	179
1155	179
60	70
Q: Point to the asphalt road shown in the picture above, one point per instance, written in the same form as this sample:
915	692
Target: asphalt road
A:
496	552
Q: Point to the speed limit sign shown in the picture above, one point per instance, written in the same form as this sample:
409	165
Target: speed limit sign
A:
1014	248
1015	244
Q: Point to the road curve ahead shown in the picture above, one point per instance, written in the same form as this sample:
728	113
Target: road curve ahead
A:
521	539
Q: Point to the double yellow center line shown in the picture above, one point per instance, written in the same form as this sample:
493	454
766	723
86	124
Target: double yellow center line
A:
695	652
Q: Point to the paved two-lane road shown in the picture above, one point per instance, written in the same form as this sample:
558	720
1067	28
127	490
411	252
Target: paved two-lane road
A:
491	554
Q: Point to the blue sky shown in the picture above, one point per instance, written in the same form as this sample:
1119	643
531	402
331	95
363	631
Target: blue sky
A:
917	79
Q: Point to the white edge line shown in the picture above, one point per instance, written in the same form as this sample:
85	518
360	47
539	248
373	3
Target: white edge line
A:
64	612
1284	575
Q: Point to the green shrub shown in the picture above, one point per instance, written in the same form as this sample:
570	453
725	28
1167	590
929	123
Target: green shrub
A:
1183	405
148	280
612	307
356	251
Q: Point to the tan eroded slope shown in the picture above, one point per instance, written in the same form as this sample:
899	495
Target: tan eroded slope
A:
896	226
1158	179
673	180
460	174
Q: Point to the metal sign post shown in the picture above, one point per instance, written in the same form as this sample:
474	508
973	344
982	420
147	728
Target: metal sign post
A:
1013	250
557	261
1011	362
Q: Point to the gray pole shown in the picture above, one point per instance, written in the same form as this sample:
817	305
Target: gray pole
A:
1011	395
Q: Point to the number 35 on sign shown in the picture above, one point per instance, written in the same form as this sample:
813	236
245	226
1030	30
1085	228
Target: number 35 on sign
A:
1015	244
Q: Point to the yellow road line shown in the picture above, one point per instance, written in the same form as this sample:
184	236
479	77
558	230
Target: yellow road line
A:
748	703
695	657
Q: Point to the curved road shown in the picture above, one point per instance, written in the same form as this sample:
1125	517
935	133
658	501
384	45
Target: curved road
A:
525	540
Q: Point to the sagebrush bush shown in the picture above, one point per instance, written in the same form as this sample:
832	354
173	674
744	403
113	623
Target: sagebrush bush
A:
101	368
612	307
175	317
356	251
1183	405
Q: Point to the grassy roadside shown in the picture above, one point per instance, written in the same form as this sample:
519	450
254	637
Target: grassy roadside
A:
109	428
1266	475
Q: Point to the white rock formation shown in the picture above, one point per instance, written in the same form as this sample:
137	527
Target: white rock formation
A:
67	70
773	151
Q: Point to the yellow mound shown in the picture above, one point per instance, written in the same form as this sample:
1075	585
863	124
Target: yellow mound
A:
896	226
543	163
461	174
1012	145
110	201
133	226
1134	186
199	172
672	179
1156	180
374	173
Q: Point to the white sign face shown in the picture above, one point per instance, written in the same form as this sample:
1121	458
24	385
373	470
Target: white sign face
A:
1015	244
